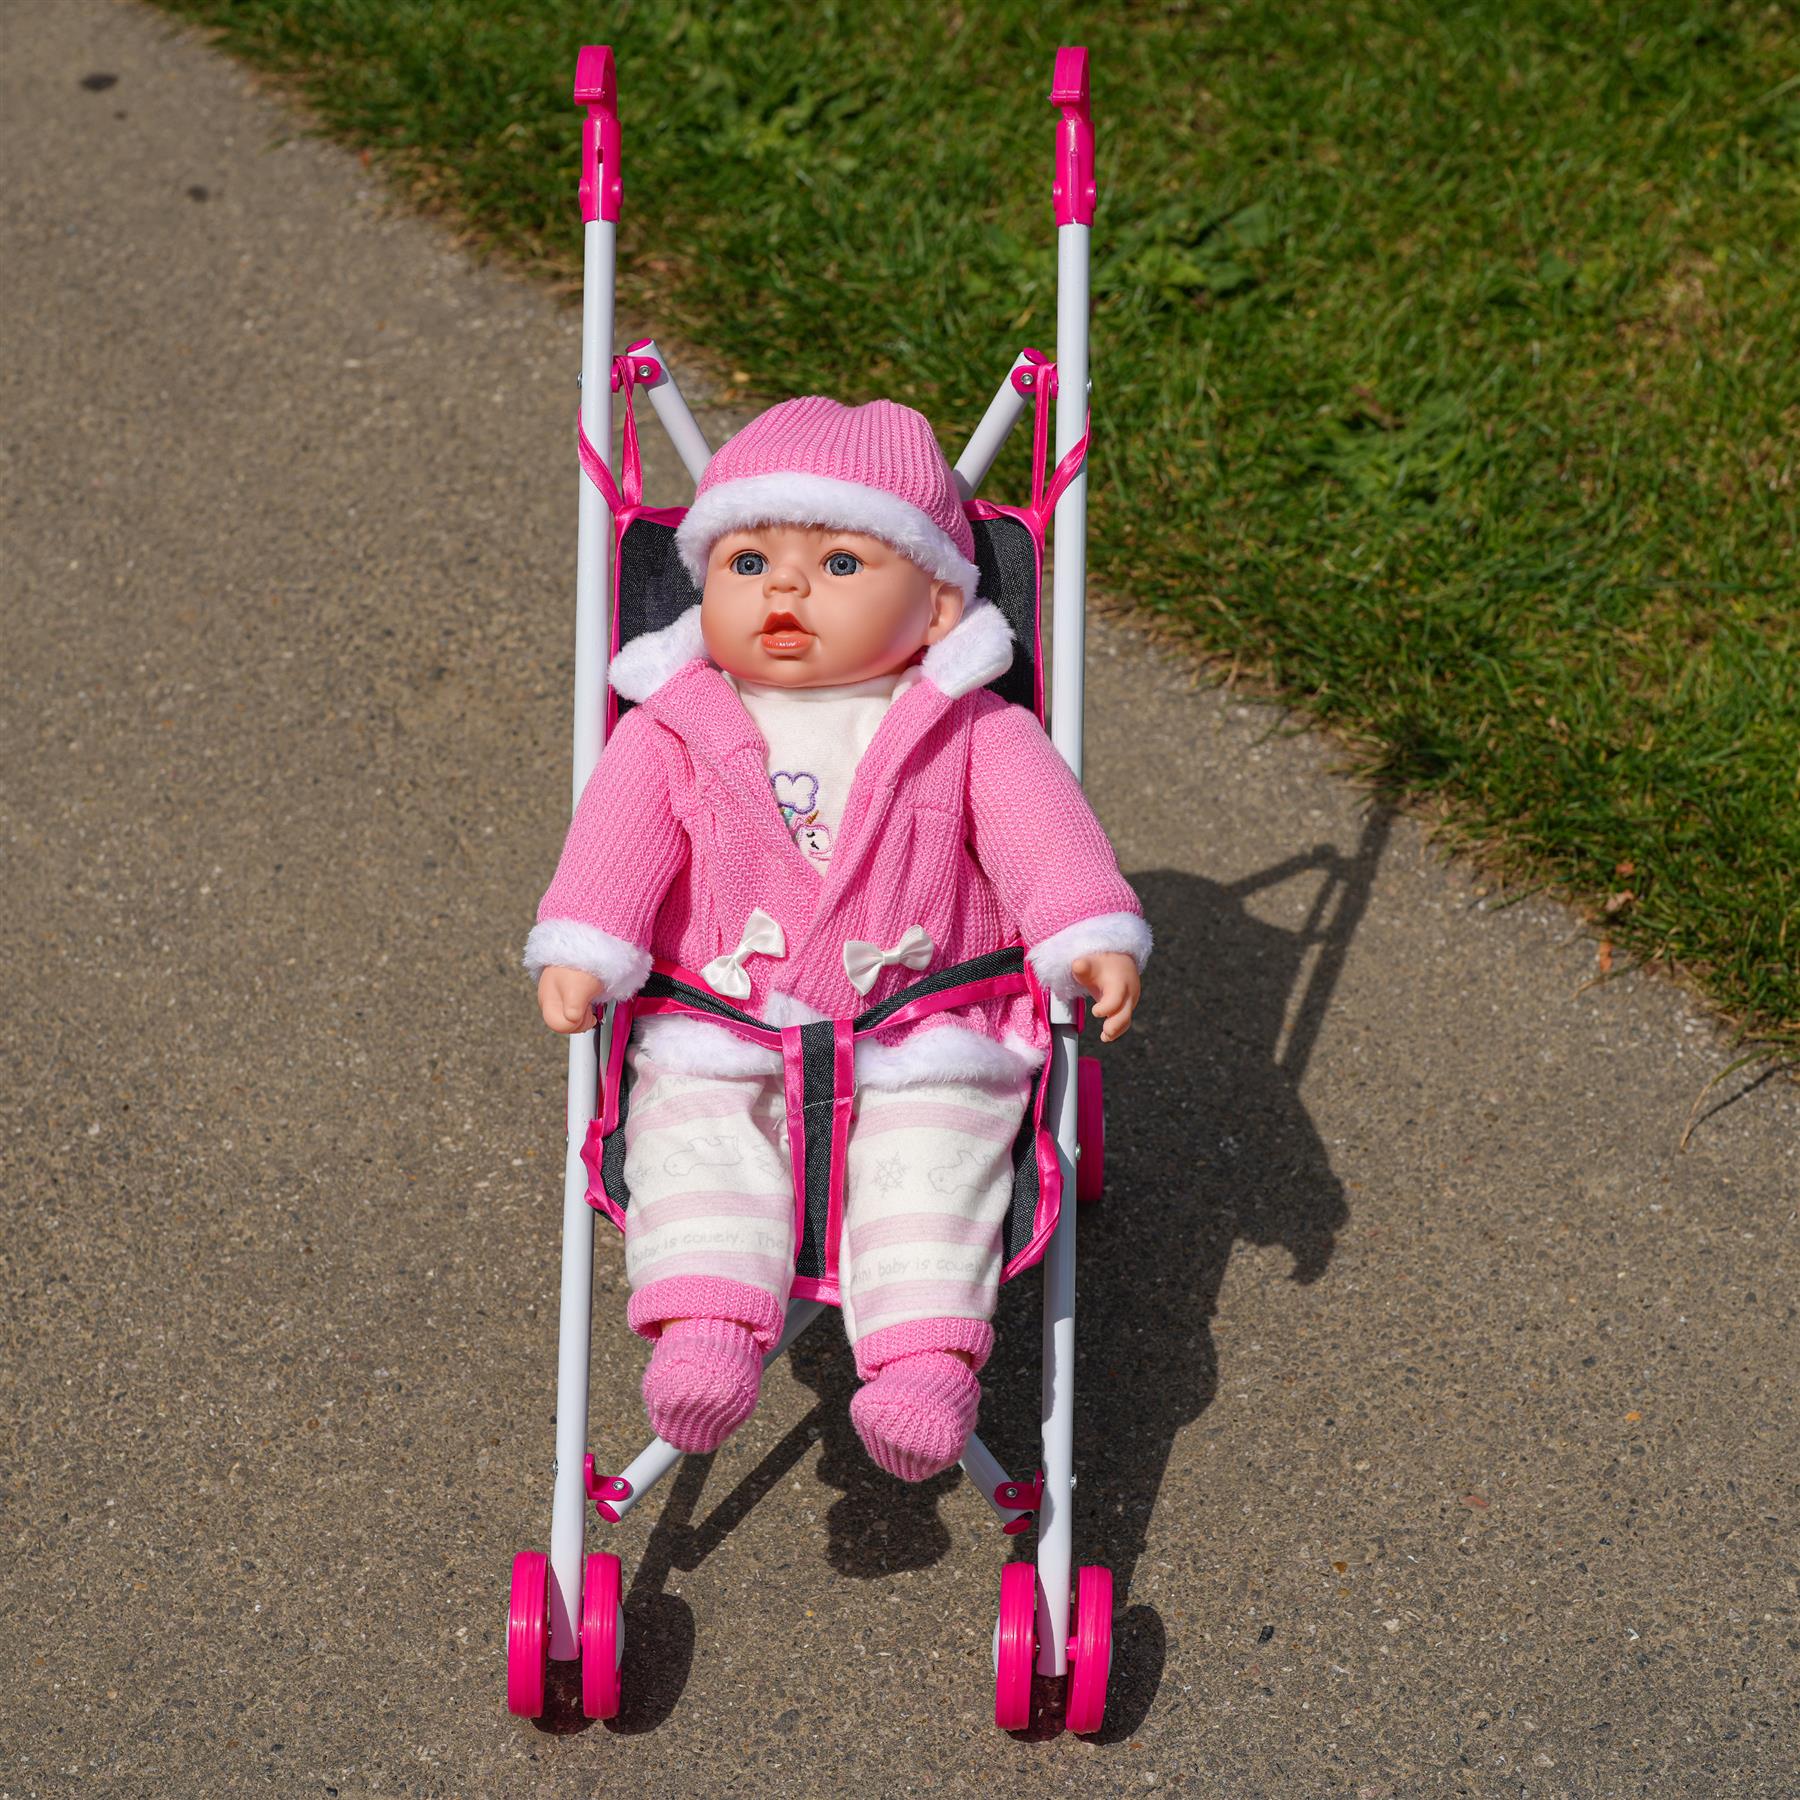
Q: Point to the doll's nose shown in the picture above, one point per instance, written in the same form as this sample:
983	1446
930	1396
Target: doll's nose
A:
786	578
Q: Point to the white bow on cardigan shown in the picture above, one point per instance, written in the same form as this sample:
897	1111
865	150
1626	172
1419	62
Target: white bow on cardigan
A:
864	961
762	937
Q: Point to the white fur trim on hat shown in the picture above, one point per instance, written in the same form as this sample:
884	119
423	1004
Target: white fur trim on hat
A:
801	499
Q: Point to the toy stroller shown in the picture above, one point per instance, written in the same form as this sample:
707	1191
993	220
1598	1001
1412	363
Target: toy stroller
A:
1052	1619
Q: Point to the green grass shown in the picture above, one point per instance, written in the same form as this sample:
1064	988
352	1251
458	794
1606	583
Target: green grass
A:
1447	358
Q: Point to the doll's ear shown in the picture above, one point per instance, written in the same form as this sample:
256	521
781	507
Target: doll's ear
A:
946	611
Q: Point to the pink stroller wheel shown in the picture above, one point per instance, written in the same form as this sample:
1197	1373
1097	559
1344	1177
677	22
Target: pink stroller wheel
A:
1090	1649
602	1636
1015	1646
528	1635
1090	1130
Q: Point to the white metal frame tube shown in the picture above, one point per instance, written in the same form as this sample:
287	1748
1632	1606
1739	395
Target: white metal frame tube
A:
1055	1552
643	1472
1068	591
593	634
1003	413
672	409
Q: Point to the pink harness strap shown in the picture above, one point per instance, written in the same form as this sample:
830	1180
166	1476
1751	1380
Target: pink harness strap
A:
843	1099
818	1074
621	505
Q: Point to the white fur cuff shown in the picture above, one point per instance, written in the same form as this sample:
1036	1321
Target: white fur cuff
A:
1054	957
619	967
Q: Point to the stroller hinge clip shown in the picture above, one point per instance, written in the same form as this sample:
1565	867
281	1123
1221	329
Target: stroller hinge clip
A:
1022	1496
604	1489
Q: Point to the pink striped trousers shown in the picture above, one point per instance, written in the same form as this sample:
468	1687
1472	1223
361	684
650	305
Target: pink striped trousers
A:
926	1192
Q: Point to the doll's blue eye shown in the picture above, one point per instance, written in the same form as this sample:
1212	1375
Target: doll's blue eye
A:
749	562
841	562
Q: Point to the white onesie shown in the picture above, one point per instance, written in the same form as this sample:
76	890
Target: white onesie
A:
816	737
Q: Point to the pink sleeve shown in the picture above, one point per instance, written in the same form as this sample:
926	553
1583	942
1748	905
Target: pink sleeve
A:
625	846
1049	858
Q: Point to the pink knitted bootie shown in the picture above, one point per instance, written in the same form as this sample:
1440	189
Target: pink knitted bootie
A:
916	1414
702	1381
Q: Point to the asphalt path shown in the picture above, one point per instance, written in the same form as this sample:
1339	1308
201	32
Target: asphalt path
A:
1436	1410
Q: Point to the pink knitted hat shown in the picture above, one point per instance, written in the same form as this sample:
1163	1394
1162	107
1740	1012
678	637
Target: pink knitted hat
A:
812	461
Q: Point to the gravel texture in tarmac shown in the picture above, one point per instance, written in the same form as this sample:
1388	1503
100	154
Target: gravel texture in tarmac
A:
1437	1414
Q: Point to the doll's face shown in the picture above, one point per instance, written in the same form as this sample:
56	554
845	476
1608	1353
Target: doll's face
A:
801	606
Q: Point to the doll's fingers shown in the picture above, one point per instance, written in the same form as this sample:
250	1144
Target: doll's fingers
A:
566	1016
1118	1020
1107	1008
575	1003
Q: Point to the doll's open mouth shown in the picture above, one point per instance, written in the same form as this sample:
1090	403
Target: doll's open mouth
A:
784	635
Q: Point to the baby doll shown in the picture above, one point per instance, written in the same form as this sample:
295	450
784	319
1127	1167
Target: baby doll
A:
814	800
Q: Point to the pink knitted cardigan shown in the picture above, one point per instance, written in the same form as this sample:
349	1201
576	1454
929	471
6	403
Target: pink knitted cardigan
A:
962	819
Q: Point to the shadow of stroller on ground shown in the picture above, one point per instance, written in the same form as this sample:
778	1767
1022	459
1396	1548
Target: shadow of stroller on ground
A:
1208	1145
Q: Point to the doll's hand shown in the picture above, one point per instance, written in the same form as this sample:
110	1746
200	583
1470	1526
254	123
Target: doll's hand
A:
1112	978
567	998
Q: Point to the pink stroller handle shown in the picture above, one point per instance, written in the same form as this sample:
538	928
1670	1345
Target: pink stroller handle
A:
597	88
1073	187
